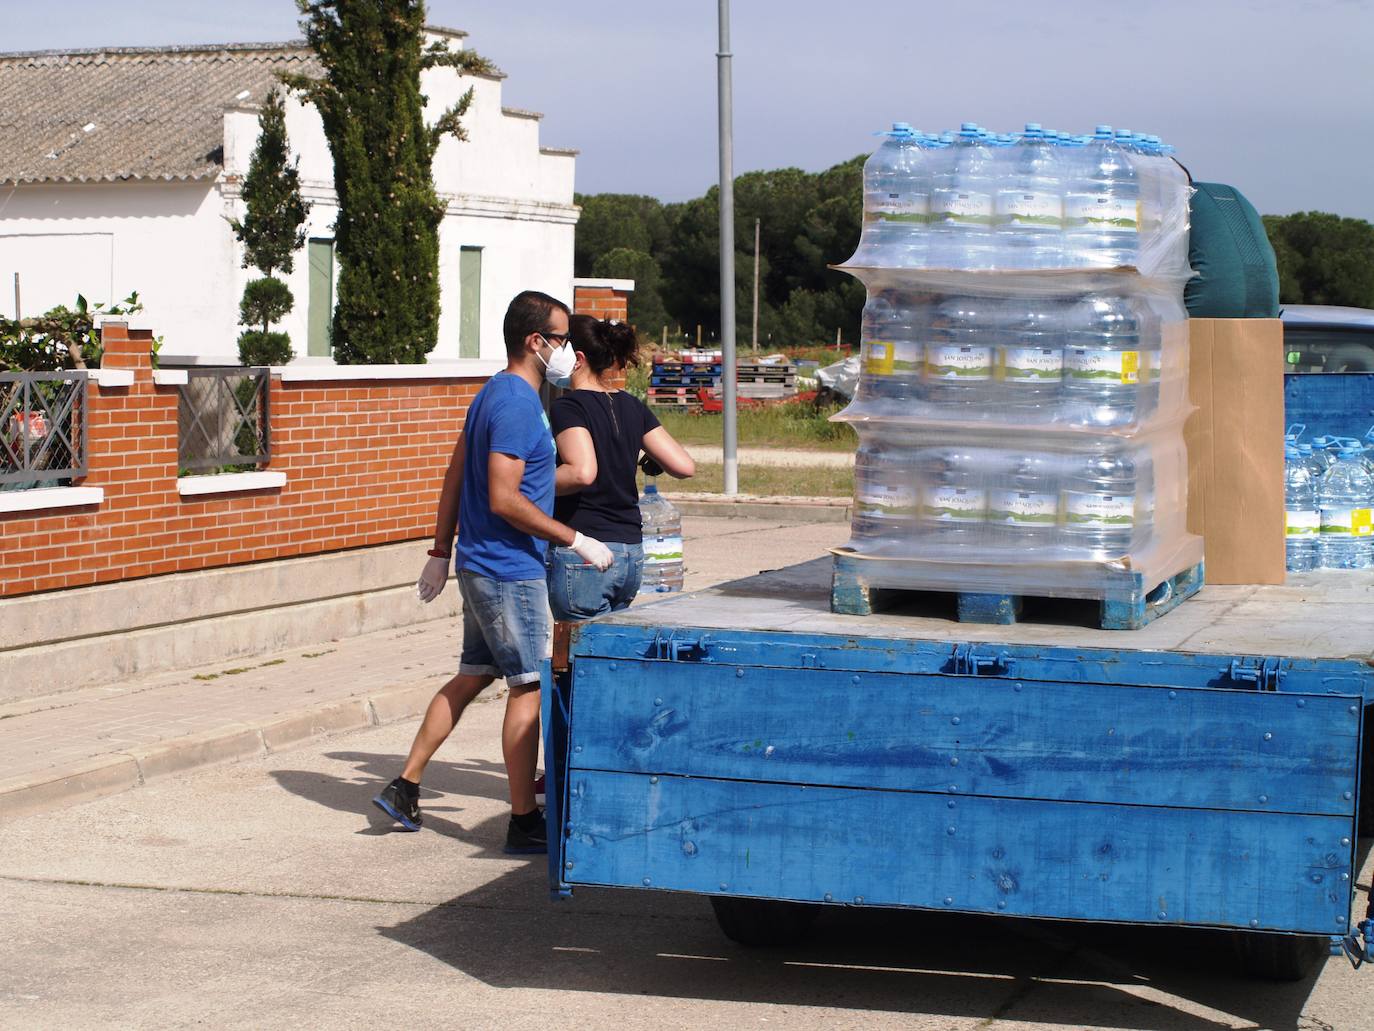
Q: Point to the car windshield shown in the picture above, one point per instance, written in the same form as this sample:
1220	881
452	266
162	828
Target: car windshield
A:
1328	348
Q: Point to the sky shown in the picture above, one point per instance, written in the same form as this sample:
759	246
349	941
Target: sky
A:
1273	97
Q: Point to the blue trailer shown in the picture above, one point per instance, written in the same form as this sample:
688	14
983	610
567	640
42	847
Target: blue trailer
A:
747	744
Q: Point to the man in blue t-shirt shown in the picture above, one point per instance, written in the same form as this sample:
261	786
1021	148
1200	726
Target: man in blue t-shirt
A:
498	496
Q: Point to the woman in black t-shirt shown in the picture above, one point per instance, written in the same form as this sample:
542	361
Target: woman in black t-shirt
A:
601	431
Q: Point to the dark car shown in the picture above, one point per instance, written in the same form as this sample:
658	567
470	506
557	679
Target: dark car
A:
1328	338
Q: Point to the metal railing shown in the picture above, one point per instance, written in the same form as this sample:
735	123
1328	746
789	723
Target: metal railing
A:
223	420
42	428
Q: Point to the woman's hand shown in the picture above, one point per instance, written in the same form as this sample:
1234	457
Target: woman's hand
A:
432	579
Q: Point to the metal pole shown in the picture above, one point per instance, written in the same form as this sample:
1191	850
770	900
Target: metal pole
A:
727	251
754	336
17	316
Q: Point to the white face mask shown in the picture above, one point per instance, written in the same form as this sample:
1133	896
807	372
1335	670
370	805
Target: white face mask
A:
558	369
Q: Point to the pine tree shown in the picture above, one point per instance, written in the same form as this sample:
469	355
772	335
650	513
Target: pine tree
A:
270	232
386	237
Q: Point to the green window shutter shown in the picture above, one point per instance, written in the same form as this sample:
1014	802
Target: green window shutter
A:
469	302
321	306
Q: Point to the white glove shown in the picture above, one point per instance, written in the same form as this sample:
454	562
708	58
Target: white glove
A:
432	580
593	552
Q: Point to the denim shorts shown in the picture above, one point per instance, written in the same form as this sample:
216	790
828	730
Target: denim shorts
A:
505	628
578	591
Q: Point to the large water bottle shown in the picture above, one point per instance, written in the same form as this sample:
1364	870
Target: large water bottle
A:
662	529
1024	508
892	348
1030	359
1111	363
1346	498
1300	504
896	201
1101	511
1102	206
963	203
954	497
1029	217
959	354
885	495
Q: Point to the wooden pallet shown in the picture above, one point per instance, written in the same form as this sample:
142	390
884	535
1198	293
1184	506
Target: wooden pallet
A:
688	380
674	401
860	587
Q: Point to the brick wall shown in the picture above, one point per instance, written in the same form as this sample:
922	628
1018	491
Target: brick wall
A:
363	462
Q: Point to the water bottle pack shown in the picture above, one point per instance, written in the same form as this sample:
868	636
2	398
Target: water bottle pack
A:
920	496
1329	500
1024	374
1038	200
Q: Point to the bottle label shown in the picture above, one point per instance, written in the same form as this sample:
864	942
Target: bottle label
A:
662	549
1086	365
1031	364
882	206
968	364
954	207
955	504
1101	211
1022	508
884	501
1303	523
1347	522
1021	208
888	358
1093	511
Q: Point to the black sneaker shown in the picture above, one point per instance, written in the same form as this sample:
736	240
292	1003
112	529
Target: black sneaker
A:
401	806
526	843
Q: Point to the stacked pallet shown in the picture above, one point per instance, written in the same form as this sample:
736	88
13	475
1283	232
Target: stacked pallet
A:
757	380
678	380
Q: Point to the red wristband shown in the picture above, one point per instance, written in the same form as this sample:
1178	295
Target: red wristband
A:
436	553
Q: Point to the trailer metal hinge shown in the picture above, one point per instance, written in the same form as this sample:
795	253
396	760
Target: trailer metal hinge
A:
667	646
1264	673
1359	944
966	661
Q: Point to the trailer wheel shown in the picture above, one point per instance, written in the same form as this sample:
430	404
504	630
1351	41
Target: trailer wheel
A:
1280	957
763	922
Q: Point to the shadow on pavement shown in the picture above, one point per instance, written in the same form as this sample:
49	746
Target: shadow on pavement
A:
443	780
634	943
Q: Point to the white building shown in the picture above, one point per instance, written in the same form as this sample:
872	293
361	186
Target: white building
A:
119	169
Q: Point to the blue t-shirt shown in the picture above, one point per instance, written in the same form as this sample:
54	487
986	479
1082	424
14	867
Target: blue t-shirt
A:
506	417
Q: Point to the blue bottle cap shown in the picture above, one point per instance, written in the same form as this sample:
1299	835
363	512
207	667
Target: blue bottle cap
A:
1034	127
1102	130
901	127
968	127
651	488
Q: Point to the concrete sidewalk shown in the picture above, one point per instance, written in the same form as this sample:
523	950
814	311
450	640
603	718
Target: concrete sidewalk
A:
81	744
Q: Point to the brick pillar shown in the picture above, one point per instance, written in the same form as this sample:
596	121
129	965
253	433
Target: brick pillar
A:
603	298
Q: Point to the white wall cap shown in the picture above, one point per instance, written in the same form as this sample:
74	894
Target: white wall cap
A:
464	368
49	497
170	377
113	377
225	483
627	285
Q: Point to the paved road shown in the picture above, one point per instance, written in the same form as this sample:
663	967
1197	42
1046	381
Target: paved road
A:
267	894
713	454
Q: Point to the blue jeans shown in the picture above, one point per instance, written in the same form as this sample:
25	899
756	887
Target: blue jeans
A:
577	591
505	628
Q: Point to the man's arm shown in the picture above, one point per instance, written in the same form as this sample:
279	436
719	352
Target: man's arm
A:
435	574
504	473
450	497
503	486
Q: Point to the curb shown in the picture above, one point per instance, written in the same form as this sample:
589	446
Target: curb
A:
105	775
746	506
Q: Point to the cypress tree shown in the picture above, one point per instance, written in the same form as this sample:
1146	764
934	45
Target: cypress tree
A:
270	232
386	237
